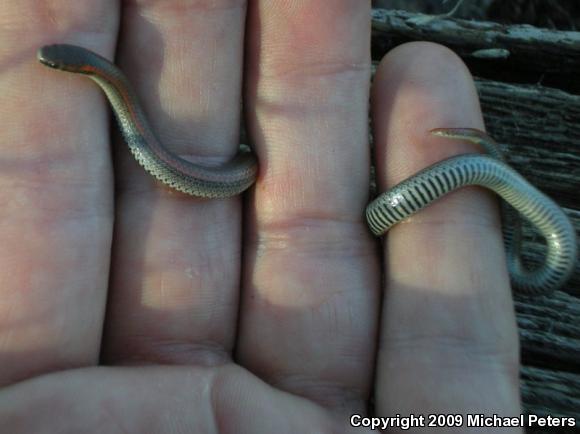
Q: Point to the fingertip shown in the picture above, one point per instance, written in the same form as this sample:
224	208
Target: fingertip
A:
418	87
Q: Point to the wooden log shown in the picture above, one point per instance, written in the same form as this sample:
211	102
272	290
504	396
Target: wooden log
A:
550	331
550	393
505	53
474	9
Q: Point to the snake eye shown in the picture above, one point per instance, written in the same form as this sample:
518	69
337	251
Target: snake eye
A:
48	63
49	55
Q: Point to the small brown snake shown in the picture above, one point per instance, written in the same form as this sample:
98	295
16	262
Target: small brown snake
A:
384	212
226	180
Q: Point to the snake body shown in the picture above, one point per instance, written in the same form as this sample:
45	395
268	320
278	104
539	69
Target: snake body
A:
418	191
388	209
226	180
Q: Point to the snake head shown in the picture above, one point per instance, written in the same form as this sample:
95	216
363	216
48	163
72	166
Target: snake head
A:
64	57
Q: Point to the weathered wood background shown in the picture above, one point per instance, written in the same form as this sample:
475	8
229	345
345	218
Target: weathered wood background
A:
529	85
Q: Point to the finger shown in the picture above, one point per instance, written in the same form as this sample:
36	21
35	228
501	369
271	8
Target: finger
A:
55	190
309	314
160	400
176	263
448	336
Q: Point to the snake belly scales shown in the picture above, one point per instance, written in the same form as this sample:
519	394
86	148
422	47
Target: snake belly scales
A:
388	209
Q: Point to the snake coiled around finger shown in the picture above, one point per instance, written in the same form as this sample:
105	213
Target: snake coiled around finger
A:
489	171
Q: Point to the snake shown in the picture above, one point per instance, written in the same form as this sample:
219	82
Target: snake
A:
492	172
389	208
225	180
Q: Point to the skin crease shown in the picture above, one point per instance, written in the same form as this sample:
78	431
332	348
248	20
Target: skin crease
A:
136	309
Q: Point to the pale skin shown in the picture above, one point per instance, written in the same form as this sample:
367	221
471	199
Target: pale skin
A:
125	307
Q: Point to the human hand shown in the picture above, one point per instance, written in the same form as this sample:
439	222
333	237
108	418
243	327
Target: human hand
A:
214	323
